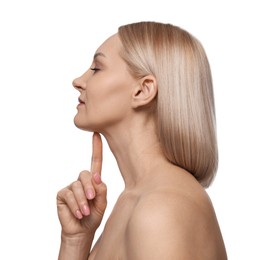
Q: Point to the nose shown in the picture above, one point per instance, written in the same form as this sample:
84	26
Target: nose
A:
79	83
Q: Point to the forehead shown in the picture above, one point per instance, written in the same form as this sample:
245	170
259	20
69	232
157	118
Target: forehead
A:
111	47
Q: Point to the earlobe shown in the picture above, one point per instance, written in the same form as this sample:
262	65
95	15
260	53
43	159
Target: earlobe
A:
145	92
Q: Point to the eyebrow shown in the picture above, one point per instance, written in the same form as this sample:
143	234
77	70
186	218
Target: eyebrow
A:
99	54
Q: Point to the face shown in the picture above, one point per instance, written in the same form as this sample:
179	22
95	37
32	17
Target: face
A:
105	89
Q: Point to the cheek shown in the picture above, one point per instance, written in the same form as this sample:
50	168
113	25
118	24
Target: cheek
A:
109	100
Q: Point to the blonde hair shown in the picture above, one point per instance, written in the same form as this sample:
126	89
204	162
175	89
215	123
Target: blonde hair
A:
185	112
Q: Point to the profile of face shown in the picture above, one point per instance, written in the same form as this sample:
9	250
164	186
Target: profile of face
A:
105	89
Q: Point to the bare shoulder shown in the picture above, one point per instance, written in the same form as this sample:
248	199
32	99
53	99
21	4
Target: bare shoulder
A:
175	221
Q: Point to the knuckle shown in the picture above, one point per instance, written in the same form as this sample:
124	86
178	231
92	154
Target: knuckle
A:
61	194
102	191
85	178
103	187
68	195
97	159
83	174
76	184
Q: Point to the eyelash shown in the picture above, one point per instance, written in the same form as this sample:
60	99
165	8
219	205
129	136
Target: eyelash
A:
94	69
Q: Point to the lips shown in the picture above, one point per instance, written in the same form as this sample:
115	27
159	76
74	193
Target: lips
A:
81	101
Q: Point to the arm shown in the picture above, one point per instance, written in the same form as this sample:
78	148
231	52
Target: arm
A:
81	207
75	247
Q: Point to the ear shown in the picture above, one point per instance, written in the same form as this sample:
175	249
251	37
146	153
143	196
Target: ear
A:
145	92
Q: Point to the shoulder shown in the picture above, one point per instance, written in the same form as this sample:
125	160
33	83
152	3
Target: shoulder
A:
169	223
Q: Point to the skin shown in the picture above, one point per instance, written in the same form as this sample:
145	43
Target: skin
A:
163	212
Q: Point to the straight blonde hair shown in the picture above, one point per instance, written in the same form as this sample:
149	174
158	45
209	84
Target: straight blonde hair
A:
185	111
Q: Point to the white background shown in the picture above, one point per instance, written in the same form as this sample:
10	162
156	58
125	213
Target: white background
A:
45	44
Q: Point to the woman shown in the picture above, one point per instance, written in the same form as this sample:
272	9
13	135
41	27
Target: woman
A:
149	93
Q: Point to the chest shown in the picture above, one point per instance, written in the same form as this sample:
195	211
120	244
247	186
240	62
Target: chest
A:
112	243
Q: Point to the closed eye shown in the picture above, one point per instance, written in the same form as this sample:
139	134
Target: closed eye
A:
95	69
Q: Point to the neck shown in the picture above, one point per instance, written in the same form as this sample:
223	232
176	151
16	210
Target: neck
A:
137	152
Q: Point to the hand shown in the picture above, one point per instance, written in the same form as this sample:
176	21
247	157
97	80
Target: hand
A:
82	204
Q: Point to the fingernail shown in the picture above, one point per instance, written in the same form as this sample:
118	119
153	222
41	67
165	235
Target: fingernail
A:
85	209
90	194
79	214
97	178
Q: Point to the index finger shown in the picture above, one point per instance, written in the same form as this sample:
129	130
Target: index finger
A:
97	154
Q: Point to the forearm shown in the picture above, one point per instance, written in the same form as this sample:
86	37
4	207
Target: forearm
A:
75	248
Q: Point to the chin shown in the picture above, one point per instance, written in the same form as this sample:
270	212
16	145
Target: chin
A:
84	128
83	125
79	123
